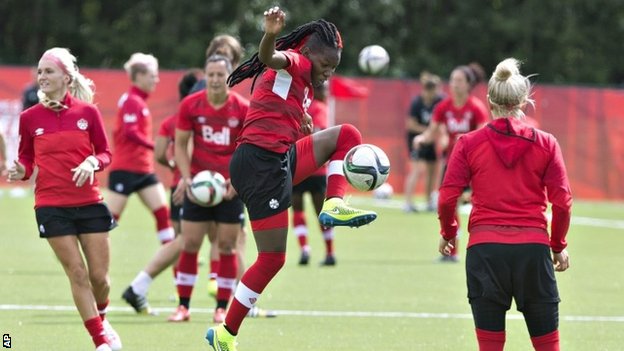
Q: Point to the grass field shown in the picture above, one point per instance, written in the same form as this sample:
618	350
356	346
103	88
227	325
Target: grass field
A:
386	293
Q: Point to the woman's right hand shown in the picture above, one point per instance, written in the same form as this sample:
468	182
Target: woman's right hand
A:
17	172
274	20
178	194
561	260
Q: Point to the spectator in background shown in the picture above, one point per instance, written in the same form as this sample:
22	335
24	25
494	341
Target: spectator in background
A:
456	115
423	161
316	184
132	169
29	95
509	249
64	136
136	294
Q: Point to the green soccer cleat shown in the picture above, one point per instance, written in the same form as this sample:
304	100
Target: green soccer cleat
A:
220	339
336	212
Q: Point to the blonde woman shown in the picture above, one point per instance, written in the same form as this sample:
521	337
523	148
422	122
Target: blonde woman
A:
69	208
510	252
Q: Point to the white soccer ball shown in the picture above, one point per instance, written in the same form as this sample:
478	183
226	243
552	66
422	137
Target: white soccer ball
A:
208	188
384	192
373	59
366	167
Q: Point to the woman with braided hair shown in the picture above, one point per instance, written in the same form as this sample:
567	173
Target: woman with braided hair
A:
272	155
69	208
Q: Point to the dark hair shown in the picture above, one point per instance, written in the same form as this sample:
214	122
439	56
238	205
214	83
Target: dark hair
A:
325	31
187	82
474	72
219	58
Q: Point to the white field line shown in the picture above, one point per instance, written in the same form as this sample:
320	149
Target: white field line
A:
359	314
576	220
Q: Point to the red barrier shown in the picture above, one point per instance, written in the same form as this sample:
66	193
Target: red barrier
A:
588	122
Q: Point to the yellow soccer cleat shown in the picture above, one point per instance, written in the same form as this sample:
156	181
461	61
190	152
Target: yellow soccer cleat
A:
336	212
220	339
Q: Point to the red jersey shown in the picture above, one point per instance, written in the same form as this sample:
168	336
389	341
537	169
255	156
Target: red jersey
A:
513	170
460	120
57	142
318	110
167	130
132	137
214	130
278	104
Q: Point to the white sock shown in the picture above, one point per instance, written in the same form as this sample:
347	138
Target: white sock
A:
141	283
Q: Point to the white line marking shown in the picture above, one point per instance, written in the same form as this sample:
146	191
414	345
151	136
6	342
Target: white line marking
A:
585	221
360	314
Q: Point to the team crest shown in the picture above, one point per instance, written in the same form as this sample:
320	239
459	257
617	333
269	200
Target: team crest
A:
233	122
82	124
201	119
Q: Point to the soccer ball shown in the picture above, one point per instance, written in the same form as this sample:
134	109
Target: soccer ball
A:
208	188
366	167
373	59
384	192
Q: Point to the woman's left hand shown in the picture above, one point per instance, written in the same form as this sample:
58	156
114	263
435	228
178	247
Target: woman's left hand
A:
446	246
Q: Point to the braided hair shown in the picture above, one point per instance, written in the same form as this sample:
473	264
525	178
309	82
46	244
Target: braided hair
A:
325	31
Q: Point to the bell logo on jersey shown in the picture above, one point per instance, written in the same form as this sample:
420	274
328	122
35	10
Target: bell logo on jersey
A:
219	138
129	118
458	126
306	99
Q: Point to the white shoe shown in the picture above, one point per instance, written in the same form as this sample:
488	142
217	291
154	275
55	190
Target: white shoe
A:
103	347
113	338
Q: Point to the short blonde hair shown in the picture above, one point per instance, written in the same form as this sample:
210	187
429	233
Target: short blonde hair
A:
80	86
508	90
140	63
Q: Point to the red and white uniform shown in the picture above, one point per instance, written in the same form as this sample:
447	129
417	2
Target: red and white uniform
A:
318	110
167	130
513	170
214	130
278	105
132	137
57	142
460	120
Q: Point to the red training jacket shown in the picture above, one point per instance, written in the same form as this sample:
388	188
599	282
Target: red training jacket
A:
513	170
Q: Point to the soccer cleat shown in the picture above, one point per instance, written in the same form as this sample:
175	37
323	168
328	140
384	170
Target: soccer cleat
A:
138	302
212	288
220	339
448	259
256	312
336	212
181	314
330	260
103	347
219	315
114	341
304	259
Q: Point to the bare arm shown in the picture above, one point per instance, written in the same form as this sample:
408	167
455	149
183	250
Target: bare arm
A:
274	21
160	152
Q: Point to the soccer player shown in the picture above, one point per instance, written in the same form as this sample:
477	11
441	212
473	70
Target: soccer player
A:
315	185
457	114
509	249
213	117
132	169
69	208
136	294
424	159
271	156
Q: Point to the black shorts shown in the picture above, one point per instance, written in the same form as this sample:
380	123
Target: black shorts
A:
426	152
263	179
499	272
59	221
174	214
124	182
228	211
316	184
